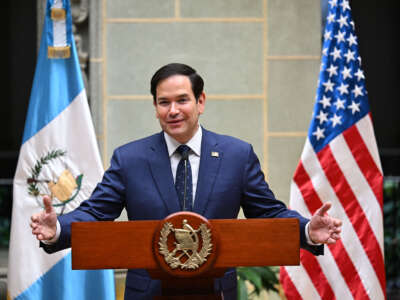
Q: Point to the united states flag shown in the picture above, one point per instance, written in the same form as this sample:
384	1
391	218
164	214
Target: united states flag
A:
340	163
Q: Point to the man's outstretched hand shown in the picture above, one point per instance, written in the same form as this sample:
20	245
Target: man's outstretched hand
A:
322	228
44	223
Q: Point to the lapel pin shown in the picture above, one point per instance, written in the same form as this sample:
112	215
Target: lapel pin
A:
214	154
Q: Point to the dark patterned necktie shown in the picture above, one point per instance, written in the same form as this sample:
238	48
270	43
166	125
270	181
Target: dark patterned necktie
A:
183	180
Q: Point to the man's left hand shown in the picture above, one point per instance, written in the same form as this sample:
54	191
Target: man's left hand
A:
322	228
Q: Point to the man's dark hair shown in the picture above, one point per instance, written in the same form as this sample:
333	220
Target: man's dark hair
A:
177	69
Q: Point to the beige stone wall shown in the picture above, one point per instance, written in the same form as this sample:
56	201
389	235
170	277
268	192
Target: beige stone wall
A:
259	59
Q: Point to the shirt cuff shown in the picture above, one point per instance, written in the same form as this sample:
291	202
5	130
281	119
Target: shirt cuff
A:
56	236
309	241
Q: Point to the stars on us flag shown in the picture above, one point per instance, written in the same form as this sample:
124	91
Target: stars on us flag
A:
345	5
343	21
339	104
359	74
336	54
357	91
346	73
343	88
319	133
323	117
336	120
332	70
328	86
340	36
325	101
352	39
355	107
349	56
341	94
332	3
330	18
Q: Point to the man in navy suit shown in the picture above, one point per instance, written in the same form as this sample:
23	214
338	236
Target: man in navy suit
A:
224	175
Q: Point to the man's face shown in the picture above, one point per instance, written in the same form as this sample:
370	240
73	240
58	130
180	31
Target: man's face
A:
177	109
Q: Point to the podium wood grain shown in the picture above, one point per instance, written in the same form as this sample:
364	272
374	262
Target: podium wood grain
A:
129	245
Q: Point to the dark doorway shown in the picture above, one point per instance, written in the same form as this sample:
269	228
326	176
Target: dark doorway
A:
20	59
378	31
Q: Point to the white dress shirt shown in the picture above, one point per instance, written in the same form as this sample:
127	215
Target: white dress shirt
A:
194	156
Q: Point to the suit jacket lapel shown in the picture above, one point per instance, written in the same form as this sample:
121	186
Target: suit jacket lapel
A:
160	166
210	161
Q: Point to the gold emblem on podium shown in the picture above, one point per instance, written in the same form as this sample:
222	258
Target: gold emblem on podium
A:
186	254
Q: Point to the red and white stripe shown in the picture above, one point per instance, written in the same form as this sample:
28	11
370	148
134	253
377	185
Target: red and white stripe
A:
347	172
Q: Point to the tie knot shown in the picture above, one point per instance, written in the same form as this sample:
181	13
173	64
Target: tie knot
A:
183	150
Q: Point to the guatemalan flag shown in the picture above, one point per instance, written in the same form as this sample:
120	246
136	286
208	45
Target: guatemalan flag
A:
340	163
58	157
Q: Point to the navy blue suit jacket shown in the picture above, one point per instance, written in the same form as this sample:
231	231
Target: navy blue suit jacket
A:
140	180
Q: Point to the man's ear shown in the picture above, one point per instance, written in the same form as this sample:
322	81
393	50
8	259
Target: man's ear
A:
155	108
201	102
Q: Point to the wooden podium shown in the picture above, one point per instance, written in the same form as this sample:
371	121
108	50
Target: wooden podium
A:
171	249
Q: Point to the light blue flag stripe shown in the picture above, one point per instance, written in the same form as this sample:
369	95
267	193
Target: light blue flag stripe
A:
49	23
56	83
61	283
47	32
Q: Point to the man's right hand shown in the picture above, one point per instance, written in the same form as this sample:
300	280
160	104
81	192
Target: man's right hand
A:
44	223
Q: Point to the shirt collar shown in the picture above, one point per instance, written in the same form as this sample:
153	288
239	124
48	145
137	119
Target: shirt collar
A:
194	143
